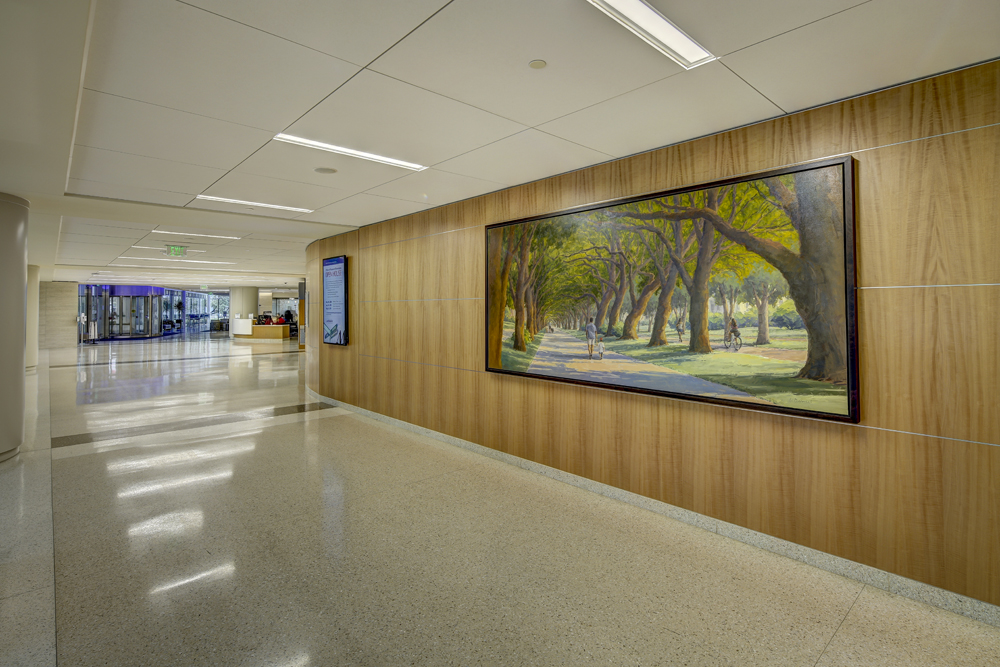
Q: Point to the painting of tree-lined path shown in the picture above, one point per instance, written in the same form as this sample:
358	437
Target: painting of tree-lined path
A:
735	292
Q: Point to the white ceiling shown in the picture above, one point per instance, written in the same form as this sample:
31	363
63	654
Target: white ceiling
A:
144	104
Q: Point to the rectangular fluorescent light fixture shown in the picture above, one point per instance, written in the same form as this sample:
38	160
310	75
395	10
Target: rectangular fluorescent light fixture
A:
253	203
656	30
207	236
166	259
350	152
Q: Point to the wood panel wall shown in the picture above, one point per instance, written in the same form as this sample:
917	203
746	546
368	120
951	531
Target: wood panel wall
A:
914	489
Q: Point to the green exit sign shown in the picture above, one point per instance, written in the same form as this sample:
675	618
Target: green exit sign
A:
176	250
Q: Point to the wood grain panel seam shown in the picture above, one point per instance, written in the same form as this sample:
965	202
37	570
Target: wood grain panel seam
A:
424	236
734	407
923	286
928	435
421	363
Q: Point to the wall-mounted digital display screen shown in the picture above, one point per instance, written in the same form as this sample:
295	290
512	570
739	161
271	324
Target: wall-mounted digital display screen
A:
335	300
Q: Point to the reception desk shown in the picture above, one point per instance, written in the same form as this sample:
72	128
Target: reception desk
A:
241	328
271	331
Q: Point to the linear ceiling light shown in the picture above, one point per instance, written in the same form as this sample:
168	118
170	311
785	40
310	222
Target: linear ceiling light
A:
253	203
165	259
208	236
309	143
656	30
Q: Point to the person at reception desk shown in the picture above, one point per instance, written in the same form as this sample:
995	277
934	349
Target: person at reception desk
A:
269	329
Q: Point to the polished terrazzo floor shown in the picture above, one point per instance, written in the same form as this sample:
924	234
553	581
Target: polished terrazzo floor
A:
184	502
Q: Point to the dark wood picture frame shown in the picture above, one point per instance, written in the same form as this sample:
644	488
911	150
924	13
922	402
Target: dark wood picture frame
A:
848	176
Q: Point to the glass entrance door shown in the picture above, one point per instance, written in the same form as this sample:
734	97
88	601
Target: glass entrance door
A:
140	316
115	315
125	322
156	310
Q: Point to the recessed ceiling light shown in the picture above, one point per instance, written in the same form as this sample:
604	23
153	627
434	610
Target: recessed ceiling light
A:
208	236
537	64
656	30
325	170
253	203
309	143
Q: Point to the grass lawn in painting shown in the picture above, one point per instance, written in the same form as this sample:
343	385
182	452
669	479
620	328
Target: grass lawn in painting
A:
514	360
760	371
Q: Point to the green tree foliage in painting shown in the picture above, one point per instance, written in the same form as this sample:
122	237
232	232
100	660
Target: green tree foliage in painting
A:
752	242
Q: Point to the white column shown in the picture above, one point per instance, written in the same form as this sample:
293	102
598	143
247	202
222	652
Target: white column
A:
242	302
14	282
31	322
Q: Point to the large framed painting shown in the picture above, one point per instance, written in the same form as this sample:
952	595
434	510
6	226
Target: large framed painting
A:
738	292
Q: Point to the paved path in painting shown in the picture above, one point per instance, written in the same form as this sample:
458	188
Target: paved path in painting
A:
562	355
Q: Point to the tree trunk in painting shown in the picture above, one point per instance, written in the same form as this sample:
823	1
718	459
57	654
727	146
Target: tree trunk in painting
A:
664	305
499	265
602	308
531	308
763	327
614	314
630	328
700	343
520	314
816	276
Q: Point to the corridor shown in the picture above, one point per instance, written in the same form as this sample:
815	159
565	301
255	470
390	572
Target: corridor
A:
187	502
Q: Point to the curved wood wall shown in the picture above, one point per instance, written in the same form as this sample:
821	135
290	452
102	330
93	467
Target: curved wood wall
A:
914	489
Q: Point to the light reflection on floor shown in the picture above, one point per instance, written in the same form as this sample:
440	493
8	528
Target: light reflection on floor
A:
326	538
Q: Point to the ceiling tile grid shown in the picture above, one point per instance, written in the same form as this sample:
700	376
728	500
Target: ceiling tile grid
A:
363	209
128	126
524	157
185	58
137	171
871	46
76	186
477	52
184	98
353	31
702	101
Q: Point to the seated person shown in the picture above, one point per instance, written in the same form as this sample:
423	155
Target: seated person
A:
280	320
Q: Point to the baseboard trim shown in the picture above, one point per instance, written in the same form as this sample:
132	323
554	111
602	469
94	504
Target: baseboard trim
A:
893	583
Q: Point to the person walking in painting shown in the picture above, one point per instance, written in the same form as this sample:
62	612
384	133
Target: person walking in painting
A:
591	336
680	329
600	346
